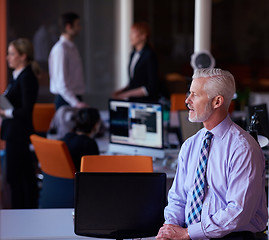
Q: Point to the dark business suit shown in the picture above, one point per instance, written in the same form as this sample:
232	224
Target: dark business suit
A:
20	170
145	74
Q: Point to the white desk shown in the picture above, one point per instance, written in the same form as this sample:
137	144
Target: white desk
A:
39	224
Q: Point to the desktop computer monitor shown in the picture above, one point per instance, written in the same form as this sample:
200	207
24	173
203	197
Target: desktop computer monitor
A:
136	128
119	205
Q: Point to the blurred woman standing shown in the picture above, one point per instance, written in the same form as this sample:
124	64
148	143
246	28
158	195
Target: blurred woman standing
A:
143	67
17	124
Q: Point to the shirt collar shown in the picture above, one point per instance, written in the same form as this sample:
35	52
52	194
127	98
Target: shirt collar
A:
139	52
16	73
222	128
68	42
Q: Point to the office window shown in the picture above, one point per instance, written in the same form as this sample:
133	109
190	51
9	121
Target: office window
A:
239	40
38	21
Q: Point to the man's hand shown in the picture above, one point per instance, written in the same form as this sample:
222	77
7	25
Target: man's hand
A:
2	112
171	231
81	105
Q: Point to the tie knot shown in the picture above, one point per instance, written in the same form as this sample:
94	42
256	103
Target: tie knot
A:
209	135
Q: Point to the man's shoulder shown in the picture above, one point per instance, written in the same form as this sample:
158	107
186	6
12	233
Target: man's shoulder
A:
59	46
240	138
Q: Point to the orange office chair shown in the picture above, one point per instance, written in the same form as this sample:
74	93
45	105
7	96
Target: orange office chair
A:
116	163
42	116
58	172
177	101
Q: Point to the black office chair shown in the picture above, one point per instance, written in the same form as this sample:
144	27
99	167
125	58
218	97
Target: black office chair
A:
119	205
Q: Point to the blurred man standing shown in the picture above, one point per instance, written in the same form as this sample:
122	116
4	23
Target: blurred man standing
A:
65	66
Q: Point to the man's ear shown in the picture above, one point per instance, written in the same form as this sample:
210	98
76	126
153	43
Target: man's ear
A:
217	101
68	26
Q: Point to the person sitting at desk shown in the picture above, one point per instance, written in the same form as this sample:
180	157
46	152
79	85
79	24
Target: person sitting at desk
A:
219	187
81	142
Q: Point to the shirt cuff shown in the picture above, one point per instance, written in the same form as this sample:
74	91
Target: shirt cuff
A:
145	91
173	221
170	221
72	101
196	232
9	113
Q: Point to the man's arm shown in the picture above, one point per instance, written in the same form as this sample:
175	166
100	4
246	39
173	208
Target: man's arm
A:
137	92
174	212
244	196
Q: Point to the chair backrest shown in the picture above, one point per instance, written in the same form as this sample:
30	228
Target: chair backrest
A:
42	116
54	157
177	101
116	163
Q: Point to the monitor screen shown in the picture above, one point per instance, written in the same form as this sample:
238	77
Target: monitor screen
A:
136	128
119	205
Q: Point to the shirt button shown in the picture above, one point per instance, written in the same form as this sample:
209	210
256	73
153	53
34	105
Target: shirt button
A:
206	204
207	186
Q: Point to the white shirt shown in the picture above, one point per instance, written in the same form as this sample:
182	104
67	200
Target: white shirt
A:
16	73
133	63
66	72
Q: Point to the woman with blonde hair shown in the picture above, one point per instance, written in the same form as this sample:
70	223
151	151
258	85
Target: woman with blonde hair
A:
17	124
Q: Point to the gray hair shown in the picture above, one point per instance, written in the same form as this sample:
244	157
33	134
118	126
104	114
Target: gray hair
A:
219	82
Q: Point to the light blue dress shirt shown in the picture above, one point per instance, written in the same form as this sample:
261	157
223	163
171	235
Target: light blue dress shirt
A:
235	198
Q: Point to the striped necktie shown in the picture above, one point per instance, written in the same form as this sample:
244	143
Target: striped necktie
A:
194	215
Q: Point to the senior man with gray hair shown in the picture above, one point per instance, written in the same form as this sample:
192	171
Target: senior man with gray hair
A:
219	187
